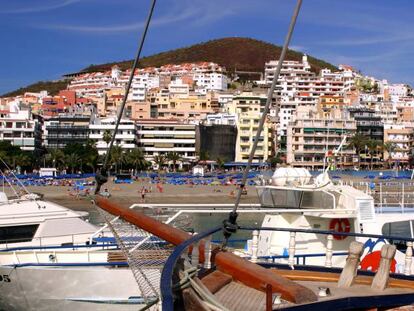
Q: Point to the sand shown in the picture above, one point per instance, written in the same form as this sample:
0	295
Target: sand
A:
127	194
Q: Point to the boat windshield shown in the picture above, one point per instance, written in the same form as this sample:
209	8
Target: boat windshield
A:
288	198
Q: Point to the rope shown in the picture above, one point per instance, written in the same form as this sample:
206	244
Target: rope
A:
101	177
229	225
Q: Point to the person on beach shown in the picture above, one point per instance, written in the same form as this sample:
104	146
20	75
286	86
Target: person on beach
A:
143	191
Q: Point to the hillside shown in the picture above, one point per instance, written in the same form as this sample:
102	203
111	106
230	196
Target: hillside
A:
241	54
53	87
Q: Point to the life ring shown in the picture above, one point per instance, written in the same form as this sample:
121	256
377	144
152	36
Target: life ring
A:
371	262
340	225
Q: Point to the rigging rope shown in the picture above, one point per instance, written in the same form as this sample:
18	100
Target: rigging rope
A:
102	177
230	225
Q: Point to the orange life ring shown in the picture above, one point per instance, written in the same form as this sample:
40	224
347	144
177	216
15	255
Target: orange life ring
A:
372	260
340	225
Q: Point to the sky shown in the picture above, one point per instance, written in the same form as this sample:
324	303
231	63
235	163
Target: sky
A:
44	39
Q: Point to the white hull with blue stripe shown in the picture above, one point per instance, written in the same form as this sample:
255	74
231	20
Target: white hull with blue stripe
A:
63	287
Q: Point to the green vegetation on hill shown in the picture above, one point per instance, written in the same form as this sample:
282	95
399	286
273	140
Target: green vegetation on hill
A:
243	54
53	87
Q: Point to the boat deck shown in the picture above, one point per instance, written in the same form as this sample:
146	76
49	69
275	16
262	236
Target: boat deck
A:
236	296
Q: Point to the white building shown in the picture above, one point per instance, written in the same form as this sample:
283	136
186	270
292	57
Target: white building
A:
178	88
398	90
18	126
224	99
214	81
125	137
141	83
221	119
158	137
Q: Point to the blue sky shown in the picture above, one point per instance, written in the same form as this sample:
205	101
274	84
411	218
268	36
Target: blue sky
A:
43	39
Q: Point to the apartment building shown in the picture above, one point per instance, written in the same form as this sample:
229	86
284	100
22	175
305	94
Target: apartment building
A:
368	122
194	107
311	139
221	119
248	107
329	105
402	138
59	131
125	136
141	83
19	126
158	137
205	75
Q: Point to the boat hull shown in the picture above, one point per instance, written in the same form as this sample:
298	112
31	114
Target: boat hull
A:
68	288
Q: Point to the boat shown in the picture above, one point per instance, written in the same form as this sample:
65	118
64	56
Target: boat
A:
201	275
51	258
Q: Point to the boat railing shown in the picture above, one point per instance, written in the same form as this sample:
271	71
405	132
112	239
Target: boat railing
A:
198	251
67	240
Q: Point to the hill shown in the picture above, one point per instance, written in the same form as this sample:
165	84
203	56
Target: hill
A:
241	54
53	87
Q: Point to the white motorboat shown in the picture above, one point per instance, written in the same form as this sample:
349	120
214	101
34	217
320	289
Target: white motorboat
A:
52	259
293	200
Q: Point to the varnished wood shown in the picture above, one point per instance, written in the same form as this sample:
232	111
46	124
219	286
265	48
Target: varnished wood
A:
258	277
216	280
314	276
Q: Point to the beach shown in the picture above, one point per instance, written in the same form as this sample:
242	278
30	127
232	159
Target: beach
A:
128	194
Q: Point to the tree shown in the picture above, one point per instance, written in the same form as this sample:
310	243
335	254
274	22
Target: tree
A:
88	154
220	163
72	161
117	156
389	147
274	161
174	157
135	157
357	142
22	160
159	160
373	146
55	157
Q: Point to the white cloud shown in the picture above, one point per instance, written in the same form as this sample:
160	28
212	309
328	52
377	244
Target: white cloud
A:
40	8
196	12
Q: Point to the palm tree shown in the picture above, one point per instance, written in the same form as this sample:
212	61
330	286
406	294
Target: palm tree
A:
72	161
357	142
220	163
159	160
174	157
56	156
389	147
117	156
91	160
22	160
373	145
136	158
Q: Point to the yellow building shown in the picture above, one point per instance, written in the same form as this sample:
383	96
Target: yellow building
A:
329	105
248	108
192	107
